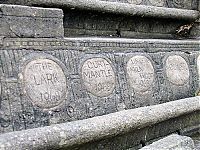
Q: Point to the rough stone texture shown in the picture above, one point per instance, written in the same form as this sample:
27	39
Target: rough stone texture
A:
189	4
195	32
23	21
172	142
196	138
79	132
117	8
73	99
198	68
89	23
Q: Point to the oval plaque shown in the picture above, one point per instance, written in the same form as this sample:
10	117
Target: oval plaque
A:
140	73
135	1
45	83
177	70
98	76
157	2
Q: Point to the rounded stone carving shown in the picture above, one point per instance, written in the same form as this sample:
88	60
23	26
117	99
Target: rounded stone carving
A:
140	73
177	70
44	83
157	2
135	1
98	77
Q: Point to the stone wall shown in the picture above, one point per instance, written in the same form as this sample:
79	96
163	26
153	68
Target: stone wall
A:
45	81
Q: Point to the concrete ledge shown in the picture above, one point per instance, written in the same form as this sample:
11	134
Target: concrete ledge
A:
120	8
172	142
80	132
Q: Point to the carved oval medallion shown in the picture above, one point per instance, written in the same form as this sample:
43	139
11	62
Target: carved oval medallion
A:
135	1
44	83
177	70
140	73
98	76
157	2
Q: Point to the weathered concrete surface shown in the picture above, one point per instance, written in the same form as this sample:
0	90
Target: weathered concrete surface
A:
172	142
79	78
24	21
80	132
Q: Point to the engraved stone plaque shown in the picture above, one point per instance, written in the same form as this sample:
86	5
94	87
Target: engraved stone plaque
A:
140	73
177	70
157	2
98	76
44	83
135	1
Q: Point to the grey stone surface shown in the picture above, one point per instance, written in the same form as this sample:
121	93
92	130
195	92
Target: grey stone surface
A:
118	8
79	132
172	142
89	23
196	138
198	67
189	4
24	21
49	81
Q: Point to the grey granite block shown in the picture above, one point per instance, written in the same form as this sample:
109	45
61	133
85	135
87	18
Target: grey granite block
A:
172	142
24	21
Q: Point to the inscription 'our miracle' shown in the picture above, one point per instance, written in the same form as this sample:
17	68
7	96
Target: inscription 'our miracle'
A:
98	76
140	73
45	83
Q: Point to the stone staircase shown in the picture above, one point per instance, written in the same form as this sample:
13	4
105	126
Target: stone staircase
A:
98	74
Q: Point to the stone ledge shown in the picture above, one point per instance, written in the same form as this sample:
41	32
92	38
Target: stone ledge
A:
24	21
80	132
172	142
151	45
120	8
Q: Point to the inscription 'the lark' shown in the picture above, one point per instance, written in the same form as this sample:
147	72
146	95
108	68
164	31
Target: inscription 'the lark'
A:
98	77
45	83
177	70
140	73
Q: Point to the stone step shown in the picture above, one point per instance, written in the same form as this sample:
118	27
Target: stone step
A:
115	19
30	22
121	130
